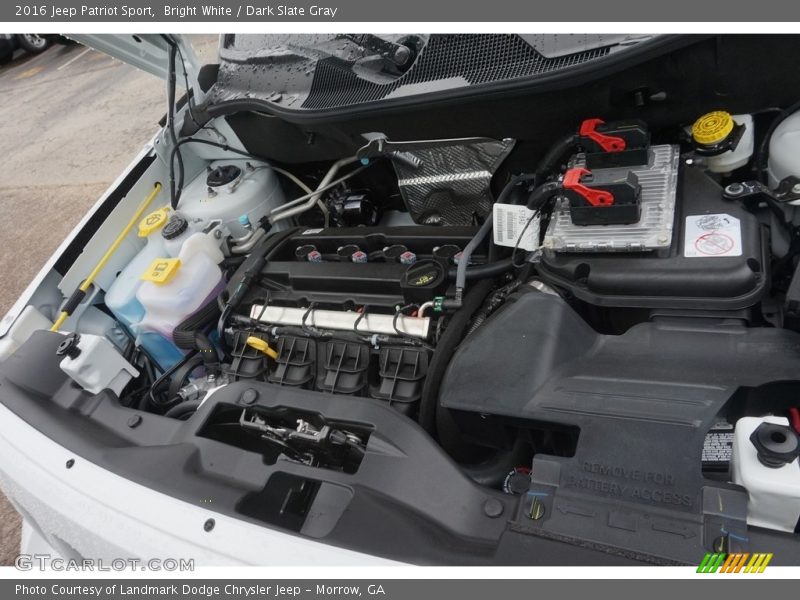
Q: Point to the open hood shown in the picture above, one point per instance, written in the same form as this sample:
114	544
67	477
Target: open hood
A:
150	53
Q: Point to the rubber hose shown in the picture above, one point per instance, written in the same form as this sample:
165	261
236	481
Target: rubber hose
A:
444	349
542	194
549	161
179	410
463	265
184	334
461	270
207	352
181	374
156	387
492	269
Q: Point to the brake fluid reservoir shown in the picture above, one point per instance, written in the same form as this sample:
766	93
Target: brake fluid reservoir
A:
230	189
765	462
175	288
121	296
726	140
177	231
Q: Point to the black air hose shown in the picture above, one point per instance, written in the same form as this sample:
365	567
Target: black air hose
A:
549	161
542	194
463	272
184	334
491	269
189	335
183	410
444	349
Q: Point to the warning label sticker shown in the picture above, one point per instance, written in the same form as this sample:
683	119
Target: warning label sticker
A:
515	226
712	235
718	445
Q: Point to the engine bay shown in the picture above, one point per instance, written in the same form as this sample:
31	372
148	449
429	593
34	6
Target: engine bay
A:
601	344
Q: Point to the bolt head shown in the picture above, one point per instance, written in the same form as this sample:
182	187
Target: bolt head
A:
537	510
734	189
134	421
493	508
249	396
209	525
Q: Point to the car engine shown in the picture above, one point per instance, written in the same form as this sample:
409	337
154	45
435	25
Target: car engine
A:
607	332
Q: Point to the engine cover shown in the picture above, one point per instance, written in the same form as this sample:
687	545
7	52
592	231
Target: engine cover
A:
642	403
354	266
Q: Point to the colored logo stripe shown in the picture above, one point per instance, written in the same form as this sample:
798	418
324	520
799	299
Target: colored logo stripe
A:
734	563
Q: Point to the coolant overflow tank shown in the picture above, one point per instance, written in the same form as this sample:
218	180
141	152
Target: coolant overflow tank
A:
229	189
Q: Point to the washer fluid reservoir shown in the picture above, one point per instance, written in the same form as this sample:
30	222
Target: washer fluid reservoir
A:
173	289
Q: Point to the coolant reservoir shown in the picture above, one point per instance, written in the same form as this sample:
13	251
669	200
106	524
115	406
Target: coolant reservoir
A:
230	189
765	462
121	296
784	150
172	289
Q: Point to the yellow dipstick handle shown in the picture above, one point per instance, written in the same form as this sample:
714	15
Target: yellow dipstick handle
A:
261	346
77	296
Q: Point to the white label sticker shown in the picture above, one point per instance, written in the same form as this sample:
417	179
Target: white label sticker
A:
311	231
712	235
515	225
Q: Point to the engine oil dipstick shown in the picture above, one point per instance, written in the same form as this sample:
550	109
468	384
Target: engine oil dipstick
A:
262	346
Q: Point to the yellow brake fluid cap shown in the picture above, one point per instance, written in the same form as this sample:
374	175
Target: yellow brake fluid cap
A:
154	221
261	346
161	270
712	128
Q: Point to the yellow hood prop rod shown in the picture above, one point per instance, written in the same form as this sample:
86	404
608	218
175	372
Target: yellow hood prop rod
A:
78	295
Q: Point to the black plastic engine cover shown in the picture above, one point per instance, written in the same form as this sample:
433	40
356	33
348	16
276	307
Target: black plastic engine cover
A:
335	280
643	402
668	279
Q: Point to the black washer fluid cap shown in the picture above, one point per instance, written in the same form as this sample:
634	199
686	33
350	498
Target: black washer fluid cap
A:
174	227
222	175
777	445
